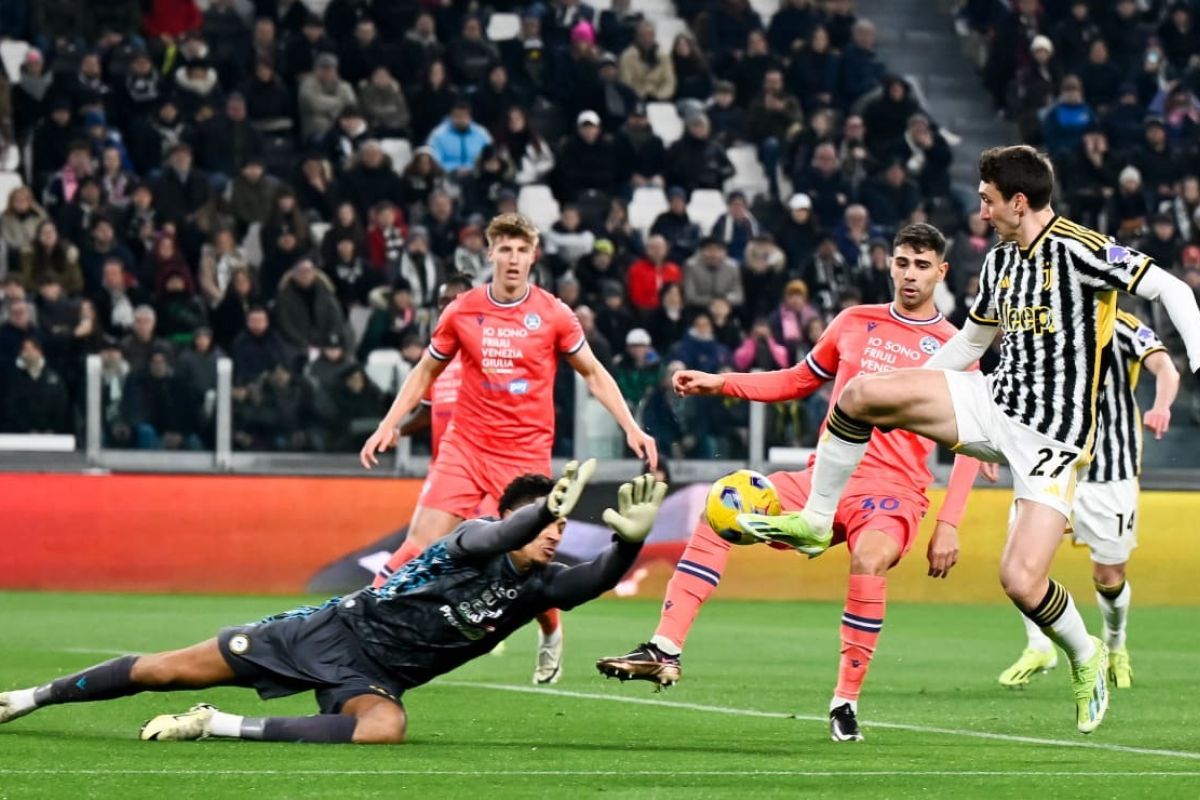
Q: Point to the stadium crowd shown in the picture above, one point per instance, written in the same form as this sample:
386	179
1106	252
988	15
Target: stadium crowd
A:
1112	92
289	185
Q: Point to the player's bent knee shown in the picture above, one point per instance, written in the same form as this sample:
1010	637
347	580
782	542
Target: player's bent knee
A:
1022	586
378	730
871	562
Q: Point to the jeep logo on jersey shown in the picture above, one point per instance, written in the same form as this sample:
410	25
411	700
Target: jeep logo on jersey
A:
533	321
930	345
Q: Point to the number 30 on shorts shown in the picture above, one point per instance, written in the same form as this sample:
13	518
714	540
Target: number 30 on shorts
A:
1064	459
872	504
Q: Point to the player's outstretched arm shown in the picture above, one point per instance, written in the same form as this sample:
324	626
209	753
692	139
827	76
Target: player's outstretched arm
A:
601	384
1166	387
638	503
773	386
491	537
964	347
1179	300
414	388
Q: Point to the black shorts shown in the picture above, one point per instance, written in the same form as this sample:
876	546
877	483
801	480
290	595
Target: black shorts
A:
291	655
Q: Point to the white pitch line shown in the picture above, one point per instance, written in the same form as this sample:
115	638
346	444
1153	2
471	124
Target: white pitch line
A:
900	726
458	773
97	651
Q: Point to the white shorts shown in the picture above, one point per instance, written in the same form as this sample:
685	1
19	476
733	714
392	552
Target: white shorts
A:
1105	519
1043	470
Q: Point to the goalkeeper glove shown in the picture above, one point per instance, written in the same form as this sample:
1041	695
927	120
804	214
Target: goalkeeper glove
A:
637	505
565	494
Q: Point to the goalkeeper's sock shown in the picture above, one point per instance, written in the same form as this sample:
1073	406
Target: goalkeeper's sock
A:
102	682
549	621
862	620
1114	608
407	551
319	728
696	577
839	452
1037	640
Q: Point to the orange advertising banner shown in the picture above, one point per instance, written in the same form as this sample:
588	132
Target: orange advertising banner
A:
172	533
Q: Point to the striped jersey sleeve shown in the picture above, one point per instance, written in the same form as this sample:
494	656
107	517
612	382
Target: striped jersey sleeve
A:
1100	261
1135	338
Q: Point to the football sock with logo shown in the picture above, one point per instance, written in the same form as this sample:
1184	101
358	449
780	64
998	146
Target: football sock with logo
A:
862	620
549	622
1036	639
838	453
1059	619
407	551
101	682
1114	608
319	728
696	577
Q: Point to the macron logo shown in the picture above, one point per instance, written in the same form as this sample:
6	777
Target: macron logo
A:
872	326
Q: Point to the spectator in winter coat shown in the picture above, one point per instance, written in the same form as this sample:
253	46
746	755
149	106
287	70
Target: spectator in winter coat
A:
458	141
586	159
322	96
384	103
306	307
699	349
36	399
760	350
676	227
371	180
645	68
648	275
712	273
258	349
696	161
788	321
737	226
639	368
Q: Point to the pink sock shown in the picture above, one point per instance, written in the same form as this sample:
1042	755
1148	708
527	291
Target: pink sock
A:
407	551
862	620
696	576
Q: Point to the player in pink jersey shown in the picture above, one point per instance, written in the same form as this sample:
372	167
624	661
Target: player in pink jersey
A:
508	336
881	512
437	406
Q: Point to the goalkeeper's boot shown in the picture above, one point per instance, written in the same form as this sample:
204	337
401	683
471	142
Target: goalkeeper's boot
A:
1090	684
548	668
843	724
790	529
1032	662
14	705
1120	671
193	724
644	663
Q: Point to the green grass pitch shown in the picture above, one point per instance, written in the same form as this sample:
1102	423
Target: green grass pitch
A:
745	721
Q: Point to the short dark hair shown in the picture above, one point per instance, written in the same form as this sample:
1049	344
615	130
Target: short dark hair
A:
921	236
458	279
1019	169
524	489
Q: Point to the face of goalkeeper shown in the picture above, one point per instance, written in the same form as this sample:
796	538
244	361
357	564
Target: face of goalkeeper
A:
540	551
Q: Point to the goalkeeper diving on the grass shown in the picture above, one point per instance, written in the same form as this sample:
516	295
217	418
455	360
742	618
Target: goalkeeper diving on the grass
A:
456	601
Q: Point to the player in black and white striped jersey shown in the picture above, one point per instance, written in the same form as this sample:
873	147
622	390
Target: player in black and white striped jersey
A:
1106	501
1050	285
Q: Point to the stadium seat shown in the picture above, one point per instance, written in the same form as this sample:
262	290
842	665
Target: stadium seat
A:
12	53
665	122
666	28
386	369
8	182
502	27
658	11
705	206
749	176
765	8
358	318
604	437
647	203
537	202
400	151
252	245
318	231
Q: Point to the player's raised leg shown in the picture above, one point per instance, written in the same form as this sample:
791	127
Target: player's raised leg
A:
1024	573
917	400
697	575
1114	594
